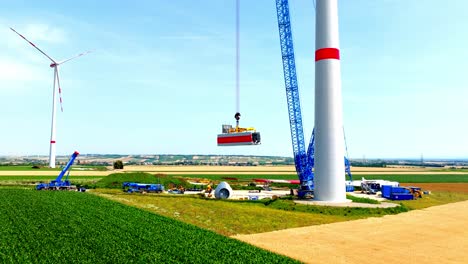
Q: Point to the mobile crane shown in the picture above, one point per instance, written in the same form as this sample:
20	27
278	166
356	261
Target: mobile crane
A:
303	160
58	184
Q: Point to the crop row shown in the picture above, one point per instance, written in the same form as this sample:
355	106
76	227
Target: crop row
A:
72	227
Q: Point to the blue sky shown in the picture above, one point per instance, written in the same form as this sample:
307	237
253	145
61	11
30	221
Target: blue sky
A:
162	77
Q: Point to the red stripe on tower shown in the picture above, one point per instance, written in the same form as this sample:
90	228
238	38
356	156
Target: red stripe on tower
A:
52	141
327	53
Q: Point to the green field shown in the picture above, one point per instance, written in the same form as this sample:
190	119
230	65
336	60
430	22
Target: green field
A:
25	168
435	198
232	217
46	178
45	168
33	180
73	227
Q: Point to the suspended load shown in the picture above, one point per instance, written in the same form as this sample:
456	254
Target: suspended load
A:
237	136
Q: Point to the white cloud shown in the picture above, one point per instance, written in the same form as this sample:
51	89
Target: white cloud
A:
43	32
15	71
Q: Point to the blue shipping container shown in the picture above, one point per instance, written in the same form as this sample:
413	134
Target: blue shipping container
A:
386	191
399	190
402	196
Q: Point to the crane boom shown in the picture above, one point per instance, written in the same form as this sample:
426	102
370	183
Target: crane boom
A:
301	159
67	167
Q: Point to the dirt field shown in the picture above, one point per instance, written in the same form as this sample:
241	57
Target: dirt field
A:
437	234
451	187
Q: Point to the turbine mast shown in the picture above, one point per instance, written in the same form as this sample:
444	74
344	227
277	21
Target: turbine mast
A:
52	129
329	146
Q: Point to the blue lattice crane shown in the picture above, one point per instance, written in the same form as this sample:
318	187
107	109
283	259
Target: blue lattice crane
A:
303	160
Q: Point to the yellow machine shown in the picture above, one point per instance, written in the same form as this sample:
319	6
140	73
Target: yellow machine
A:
415	191
209	190
238	129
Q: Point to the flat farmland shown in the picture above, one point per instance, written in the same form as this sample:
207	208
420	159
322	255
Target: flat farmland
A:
290	169
441	186
230	170
52	173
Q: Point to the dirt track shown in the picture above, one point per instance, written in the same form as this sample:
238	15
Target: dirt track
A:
437	234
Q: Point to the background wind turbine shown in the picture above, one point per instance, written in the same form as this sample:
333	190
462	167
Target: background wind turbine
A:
54	65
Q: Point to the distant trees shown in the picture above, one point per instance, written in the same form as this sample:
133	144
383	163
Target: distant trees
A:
118	165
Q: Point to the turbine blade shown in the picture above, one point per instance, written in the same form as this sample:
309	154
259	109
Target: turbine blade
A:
74	57
34	45
59	88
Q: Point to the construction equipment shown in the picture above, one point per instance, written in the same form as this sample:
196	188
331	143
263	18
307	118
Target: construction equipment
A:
304	160
415	191
396	193
370	187
131	187
236	136
58	184
177	190
209	190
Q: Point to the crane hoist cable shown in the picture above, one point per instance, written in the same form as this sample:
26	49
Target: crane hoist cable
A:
238	136
237	115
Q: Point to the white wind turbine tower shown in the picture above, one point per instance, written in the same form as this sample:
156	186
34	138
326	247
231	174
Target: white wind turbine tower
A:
54	65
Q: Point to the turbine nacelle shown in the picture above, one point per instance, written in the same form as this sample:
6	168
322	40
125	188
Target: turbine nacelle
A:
53	64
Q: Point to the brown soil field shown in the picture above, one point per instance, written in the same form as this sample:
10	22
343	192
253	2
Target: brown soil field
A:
438	234
451	187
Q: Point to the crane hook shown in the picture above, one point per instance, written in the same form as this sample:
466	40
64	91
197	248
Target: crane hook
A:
237	117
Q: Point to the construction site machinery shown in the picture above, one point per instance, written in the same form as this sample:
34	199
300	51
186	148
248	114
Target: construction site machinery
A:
415	191
396	193
58	183
229	136
177	190
238	136
131	187
303	160
370	187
